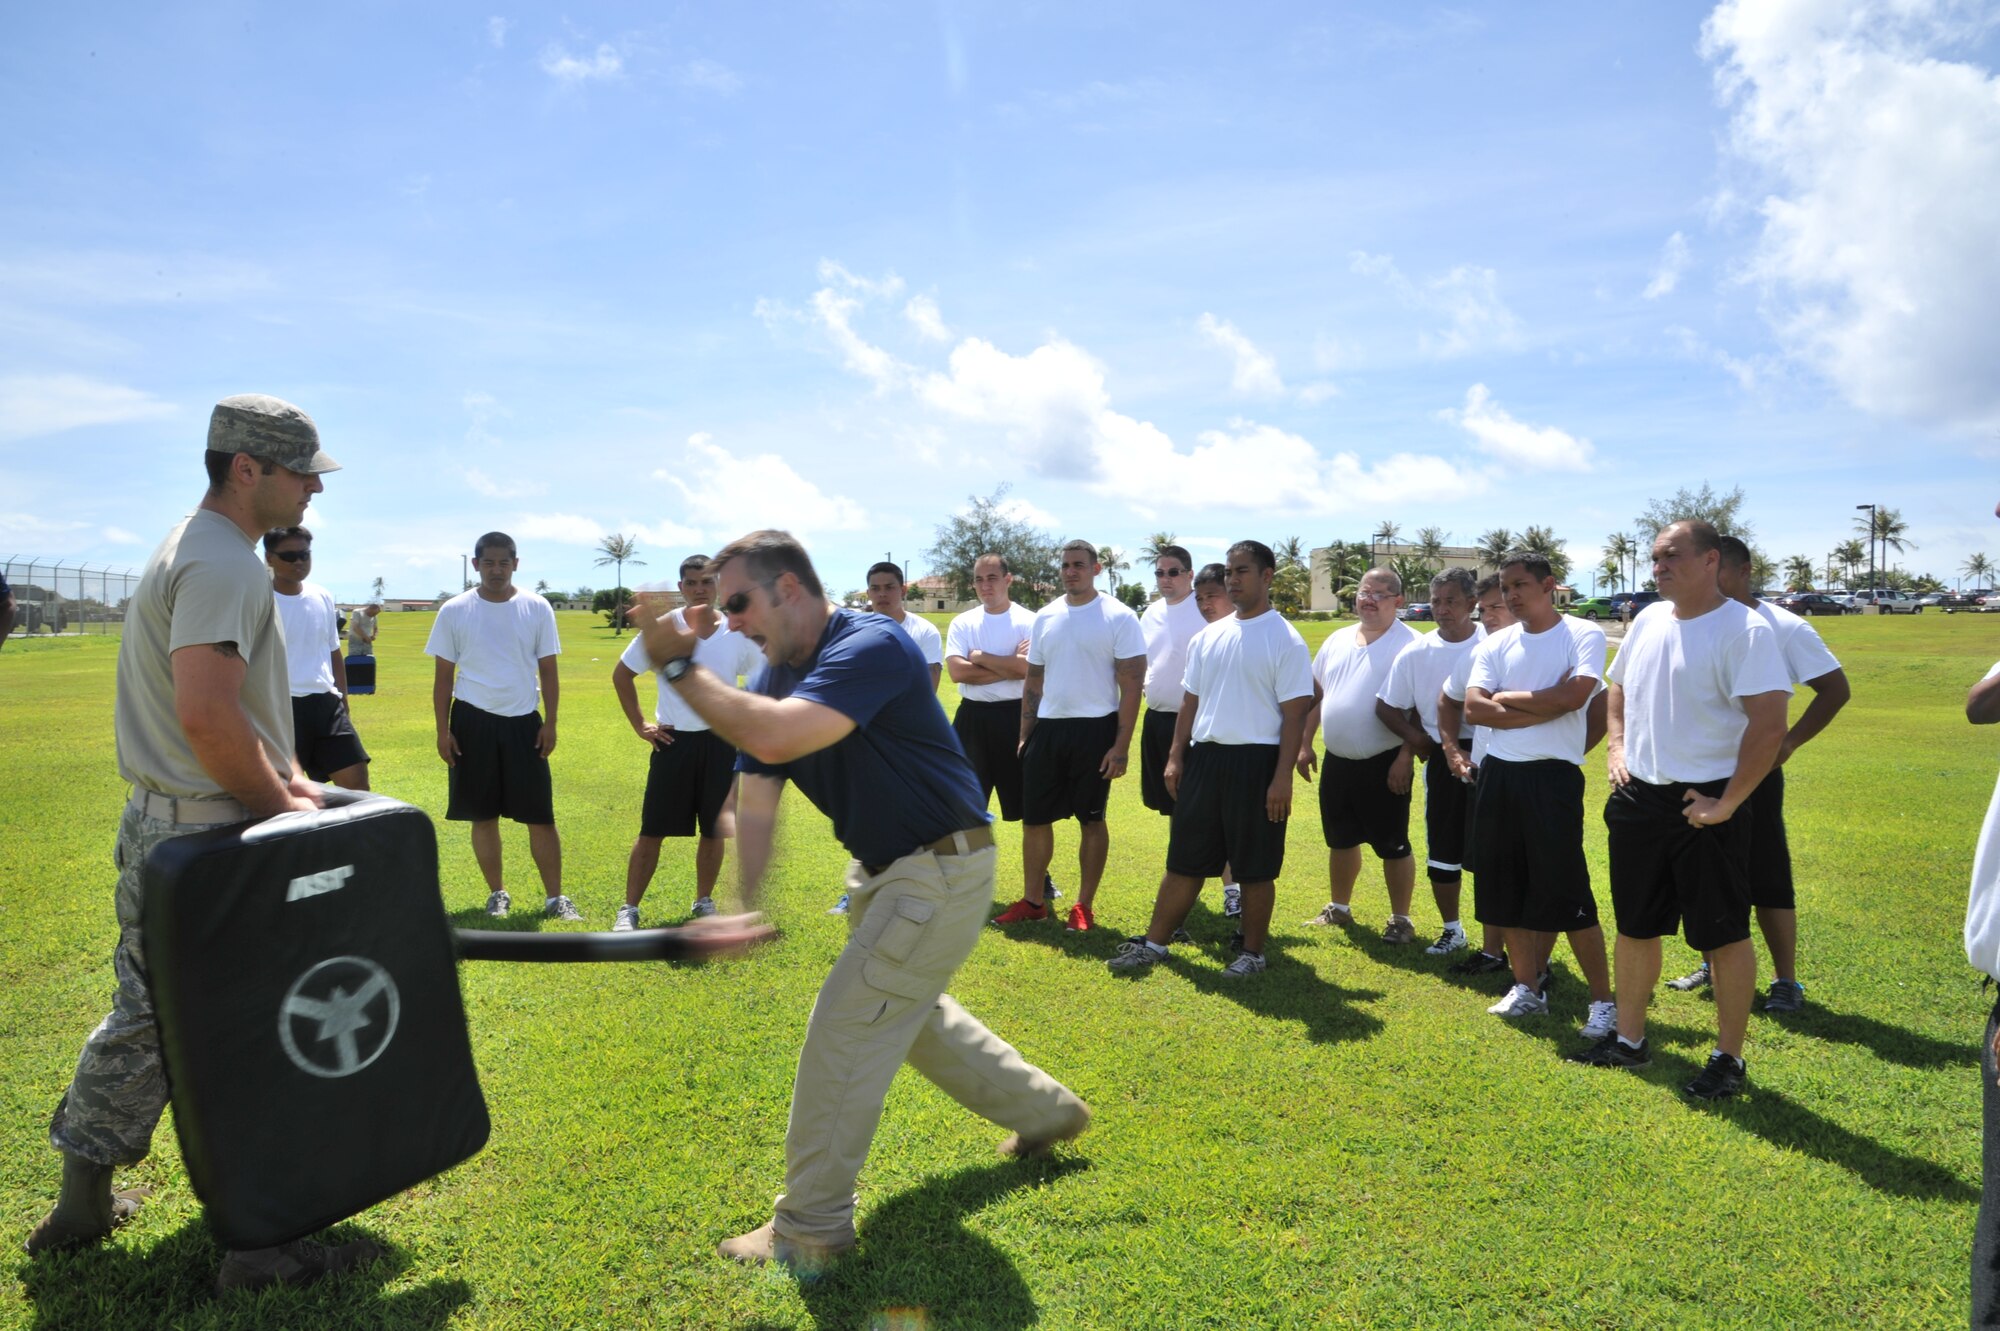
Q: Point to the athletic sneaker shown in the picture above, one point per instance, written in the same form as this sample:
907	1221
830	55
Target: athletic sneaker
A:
499	903
561	908
1542	983
1450	940
1611	1052
1333	913
1521	1001
1021	912
1246	963
1236	941
1180	936
1722	1078
1049	889
1232	901
1694	979
300	1262
1135	955
839	907
702	906
1081	921
627	921
1399	931
1480	963
1601	1020
1785	996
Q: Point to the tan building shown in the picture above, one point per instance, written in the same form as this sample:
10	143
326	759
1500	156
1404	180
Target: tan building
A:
1449	556
933	595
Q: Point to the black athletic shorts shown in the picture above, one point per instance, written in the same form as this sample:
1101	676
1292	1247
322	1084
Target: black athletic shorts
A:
1770	851
324	735
990	734
1447	815
687	785
1527	823
1220	817
1357	807
498	773
1156	741
1666	874
1059	770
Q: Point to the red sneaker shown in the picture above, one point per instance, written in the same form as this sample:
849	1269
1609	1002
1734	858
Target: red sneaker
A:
1081	921
1021	912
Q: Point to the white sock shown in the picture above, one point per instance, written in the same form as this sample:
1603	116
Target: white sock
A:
1404	918
1452	926
1631	1044
1159	949
1231	887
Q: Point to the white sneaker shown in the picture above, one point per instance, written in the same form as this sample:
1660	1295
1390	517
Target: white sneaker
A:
1451	940
1333	913
1232	901
703	906
627	921
1521	1001
839	907
1602	1021
499	903
1246	963
561	908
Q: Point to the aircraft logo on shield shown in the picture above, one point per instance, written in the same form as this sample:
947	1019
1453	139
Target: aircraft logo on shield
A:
339	1016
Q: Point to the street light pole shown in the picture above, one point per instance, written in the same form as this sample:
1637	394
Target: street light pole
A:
1871	546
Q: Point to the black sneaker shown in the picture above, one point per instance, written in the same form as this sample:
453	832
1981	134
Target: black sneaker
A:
1542	983
1722	1078
1479	963
1611	1052
1786	996
1049	889
1236	941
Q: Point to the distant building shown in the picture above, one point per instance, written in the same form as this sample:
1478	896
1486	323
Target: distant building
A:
1450	556
933	595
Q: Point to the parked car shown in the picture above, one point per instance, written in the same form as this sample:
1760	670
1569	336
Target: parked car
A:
1810	603
1420	611
1636	600
1594	607
1930	599
1991	601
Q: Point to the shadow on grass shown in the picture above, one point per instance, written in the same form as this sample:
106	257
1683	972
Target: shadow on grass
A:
117	1286
918	1265
1891	1044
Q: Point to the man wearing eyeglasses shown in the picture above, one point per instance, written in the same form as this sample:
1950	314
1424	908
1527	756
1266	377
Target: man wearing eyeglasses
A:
844	709
322	731
1169	625
986	651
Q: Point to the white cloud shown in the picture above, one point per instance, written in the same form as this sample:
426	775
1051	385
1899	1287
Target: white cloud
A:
1467	297
1674	260
922	311
559	64
35	405
1255	371
43	536
708	76
1541	447
119	536
1021	510
1746	373
1314	394
562	528
1881	157
487	487
496	31
735	494
662	535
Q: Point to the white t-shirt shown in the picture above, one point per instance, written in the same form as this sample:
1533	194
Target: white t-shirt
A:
1168	630
1516	660
1805	652
1241	670
1419	673
725	652
996	635
1351	673
1982	908
923	633
312	636
1684	681
1077	647
497	647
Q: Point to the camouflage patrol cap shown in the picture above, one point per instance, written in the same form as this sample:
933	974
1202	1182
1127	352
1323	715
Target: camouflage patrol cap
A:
268	428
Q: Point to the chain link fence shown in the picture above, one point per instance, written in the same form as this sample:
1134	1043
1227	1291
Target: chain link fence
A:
68	595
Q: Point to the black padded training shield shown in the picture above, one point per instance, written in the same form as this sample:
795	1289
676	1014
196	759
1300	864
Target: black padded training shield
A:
304	978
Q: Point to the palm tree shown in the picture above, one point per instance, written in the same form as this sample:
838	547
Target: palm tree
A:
1343	563
1976	568
1114	562
1291	589
1155	548
620	550
1886	527
1611	571
1621	549
1291	553
1494	545
1430	545
1850	553
1762	571
1799	573
1415	574
1386	533
1544	542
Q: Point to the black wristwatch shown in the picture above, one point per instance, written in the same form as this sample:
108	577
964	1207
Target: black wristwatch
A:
674	670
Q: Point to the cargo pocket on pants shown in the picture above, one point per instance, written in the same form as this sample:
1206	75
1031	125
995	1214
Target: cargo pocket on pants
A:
905	931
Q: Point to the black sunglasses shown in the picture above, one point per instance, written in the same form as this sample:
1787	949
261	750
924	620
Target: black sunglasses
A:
1168	572
740	602
294	556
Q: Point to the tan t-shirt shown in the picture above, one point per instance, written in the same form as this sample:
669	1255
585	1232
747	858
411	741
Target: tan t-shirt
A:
204	584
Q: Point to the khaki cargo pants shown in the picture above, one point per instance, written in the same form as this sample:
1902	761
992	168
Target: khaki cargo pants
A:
883	1004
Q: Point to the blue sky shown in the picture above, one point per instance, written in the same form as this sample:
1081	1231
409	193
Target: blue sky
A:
1256	270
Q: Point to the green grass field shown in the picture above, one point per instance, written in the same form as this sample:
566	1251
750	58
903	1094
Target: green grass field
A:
1347	1141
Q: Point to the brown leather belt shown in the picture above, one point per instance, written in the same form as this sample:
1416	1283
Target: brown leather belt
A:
958	843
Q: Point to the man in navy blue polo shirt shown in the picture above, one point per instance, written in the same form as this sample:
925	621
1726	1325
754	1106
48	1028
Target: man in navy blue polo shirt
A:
845	709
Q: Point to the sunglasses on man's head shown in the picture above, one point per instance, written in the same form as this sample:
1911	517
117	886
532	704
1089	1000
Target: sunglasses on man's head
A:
294	556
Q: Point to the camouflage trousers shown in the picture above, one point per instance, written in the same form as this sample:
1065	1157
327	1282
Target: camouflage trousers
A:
114	1102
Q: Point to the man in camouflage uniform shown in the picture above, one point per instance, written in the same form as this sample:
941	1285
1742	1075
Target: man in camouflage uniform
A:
204	732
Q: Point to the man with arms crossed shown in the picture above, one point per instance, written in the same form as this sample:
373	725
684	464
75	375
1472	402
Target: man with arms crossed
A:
203	722
1408	706
692	775
846	711
1698	700
1248	687
986	651
1086	669
1532	686
494	645
322	731
1808	662
1359	800
1463	762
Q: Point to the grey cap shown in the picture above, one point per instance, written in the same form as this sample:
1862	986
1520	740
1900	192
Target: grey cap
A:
269	428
